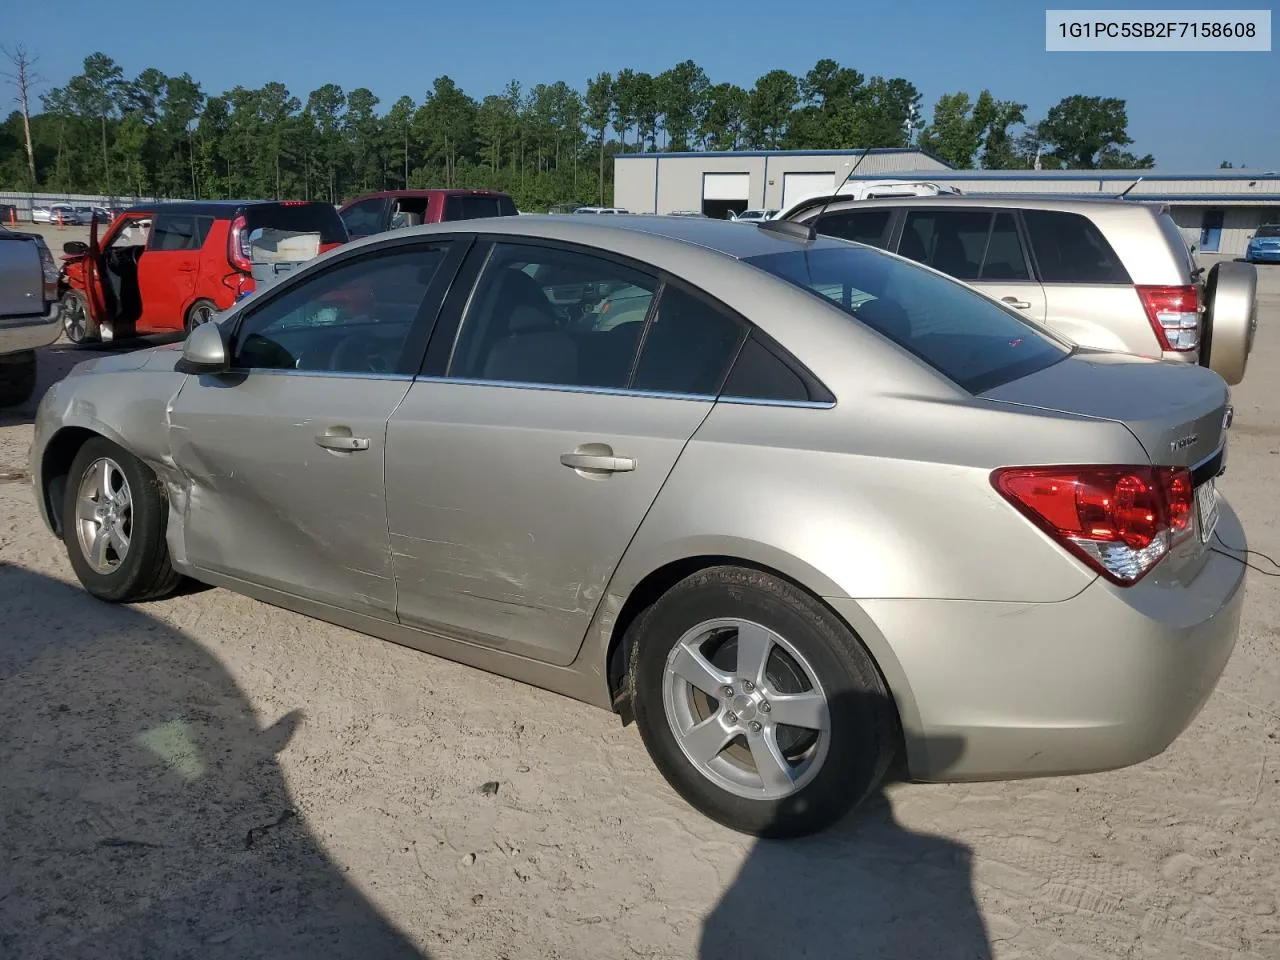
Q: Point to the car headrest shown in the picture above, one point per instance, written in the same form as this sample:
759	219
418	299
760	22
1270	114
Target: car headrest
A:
525	319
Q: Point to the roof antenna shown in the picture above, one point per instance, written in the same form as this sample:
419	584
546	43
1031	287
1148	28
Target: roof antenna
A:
809	232
1130	187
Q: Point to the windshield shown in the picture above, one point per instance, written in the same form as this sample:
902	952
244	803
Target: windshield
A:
956	330
1268	230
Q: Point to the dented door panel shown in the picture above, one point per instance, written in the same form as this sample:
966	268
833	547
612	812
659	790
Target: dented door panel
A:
284	475
498	540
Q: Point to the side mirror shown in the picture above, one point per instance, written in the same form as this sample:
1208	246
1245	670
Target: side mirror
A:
205	350
75	248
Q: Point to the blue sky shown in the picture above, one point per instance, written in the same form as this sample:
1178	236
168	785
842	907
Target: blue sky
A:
1189	110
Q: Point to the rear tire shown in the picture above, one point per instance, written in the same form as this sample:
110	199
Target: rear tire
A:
200	312
725	626
77	325
114	516
17	378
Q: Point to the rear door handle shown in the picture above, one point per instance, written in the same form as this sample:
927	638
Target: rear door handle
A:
1015	302
344	444
605	464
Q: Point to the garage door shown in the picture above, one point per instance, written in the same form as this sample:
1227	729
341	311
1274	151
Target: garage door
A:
726	186
797	186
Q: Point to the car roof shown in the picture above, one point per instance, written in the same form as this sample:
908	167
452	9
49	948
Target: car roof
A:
429	192
213	208
630	230
1030	201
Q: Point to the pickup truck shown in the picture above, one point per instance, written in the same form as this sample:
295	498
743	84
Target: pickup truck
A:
392	209
28	311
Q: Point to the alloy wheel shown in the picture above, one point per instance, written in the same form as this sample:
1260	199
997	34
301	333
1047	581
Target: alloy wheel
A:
74	320
746	709
104	515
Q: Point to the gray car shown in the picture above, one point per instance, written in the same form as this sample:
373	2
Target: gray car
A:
813	508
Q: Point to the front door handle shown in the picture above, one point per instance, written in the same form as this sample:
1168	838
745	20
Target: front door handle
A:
597	462
345	444
1015	302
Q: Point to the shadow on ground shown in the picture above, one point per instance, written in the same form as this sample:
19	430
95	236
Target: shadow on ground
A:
866	888
142	809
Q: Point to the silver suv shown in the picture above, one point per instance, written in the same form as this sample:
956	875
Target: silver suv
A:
1108	274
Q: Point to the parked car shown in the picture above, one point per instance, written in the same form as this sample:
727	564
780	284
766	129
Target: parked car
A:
50	214
28	311
599	210
753	216
171	266
1264	245
792	519
1108	274
393	209
695	214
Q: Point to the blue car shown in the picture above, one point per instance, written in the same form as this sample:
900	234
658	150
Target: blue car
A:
1264	246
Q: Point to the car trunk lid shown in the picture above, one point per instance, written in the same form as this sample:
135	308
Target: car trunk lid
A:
1176	411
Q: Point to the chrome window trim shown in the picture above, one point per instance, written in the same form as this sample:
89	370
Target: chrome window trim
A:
340	374
625	392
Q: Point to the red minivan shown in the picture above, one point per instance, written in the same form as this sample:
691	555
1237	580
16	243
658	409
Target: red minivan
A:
168	267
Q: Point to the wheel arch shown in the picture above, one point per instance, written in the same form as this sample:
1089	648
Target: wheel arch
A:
630	594
55	467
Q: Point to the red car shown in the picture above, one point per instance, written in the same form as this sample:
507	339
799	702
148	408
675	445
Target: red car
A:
392	209
168	267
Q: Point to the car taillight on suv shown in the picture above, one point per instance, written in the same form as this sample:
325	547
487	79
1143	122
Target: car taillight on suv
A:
1119	520
238	246
1174	313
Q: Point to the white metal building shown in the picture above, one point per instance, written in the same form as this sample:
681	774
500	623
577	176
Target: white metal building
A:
737	180
1218	210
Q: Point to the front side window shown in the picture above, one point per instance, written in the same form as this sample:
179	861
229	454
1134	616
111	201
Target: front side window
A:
364	218
953	328
550	316
352	318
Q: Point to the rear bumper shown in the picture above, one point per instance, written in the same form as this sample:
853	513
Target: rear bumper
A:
31	333
1106	679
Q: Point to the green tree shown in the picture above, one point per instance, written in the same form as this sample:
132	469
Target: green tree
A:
684	94
599	103
94	95
1086	131
769	107
724	120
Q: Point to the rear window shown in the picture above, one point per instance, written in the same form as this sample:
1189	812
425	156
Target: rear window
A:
319	218
463	207
953	328
1269	230
1069	249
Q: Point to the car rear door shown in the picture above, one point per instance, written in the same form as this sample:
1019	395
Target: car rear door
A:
169	270
284	454
981	246
520	465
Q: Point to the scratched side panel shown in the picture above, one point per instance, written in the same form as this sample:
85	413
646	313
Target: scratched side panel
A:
264	503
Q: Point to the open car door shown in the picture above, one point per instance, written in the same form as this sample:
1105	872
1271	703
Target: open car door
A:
95	283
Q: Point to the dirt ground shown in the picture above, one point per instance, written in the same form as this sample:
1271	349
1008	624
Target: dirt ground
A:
208	776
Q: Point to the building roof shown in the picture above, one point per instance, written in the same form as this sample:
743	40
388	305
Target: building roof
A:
851	152
1235	173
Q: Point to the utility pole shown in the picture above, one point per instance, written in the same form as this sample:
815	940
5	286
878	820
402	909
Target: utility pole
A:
24	78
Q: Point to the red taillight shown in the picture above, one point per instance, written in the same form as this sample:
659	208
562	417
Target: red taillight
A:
293	203
1174	313
238	246
1119	520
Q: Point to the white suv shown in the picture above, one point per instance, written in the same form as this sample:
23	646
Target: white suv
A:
1108	274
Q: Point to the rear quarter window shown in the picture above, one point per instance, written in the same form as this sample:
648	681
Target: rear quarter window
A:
1069	248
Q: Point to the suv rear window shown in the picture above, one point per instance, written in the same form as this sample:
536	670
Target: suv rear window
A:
950	326
463	207
1268	230
304	217
1069	249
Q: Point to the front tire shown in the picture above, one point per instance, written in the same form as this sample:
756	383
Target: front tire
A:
77	324
114	515
759	706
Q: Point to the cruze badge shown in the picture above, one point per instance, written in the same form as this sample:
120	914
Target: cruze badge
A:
1183	442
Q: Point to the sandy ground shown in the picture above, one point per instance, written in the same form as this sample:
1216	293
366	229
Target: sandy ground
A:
208	776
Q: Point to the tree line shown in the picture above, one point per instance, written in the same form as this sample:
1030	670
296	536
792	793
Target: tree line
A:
547	144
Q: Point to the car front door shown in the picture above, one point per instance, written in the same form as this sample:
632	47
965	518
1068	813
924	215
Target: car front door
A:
284	454
520	467
169	270
982	247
